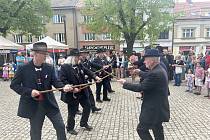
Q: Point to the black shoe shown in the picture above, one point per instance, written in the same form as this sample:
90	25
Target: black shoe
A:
73	132
99	100
206	96
87	127
79	112
95	109
111	91
106	99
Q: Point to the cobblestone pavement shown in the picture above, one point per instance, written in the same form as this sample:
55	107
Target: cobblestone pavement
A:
190	117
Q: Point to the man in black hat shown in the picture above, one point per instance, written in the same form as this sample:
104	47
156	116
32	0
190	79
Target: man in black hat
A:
98	64
84	60
28	81
155	106
73	72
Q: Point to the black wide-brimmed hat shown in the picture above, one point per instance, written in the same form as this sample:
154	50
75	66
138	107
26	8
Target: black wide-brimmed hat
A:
152	53
39	47
74	52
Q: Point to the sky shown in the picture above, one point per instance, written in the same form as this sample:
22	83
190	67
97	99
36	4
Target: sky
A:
200	0
194	0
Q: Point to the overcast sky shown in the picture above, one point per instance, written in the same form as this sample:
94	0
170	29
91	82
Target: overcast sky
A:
194	0
200	0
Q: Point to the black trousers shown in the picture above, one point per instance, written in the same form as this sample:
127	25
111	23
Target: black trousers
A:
37	120
109	87
91	97
72	109
143	131
105	83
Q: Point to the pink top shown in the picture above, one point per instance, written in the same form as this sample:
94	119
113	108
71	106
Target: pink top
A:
199	72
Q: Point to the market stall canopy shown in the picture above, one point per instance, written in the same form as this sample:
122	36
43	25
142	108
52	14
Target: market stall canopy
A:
51	44
6	44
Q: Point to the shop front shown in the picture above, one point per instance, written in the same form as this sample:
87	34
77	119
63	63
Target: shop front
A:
186	49
96	47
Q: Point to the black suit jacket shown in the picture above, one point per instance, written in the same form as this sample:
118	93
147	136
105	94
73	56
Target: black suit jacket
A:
25	81
69	75
155	106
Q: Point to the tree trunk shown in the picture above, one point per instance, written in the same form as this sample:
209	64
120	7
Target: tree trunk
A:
129	47
3	31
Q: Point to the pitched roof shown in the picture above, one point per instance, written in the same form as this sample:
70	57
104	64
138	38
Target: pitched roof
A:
63	3
193	10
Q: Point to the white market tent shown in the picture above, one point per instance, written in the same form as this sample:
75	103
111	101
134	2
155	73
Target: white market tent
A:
51	44
6	44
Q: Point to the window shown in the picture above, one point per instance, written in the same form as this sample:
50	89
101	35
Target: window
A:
164	35
40	37
29	38
106	36
60	37
88	19
43	20
108	19
89	36
188	33
18	38
58	19
207	32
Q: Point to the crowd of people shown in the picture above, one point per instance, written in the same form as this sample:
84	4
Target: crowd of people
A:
74	74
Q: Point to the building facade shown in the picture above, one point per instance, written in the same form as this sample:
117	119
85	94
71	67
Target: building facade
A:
164	40
88	39
192	28
61	26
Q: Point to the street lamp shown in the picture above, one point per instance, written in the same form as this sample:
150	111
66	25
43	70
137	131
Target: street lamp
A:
65	35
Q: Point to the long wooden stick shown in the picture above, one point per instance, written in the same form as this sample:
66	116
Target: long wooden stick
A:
110	74
75	86
100	69
57	89
94	82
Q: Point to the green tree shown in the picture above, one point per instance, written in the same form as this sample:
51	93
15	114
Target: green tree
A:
130	19
24	16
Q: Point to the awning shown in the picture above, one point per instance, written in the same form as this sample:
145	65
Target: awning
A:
186	48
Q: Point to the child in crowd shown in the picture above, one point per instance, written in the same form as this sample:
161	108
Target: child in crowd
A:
199	77
190	79
11	71
208	81
5	75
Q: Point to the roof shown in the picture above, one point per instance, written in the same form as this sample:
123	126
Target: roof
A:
80	4
192	10
63	3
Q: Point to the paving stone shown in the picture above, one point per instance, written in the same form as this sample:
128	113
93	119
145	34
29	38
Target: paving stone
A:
190	117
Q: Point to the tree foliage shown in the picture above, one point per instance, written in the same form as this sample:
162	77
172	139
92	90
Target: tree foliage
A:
130	19
24	16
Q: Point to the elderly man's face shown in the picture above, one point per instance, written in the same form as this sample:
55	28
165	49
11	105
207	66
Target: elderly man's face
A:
40	57
149	62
